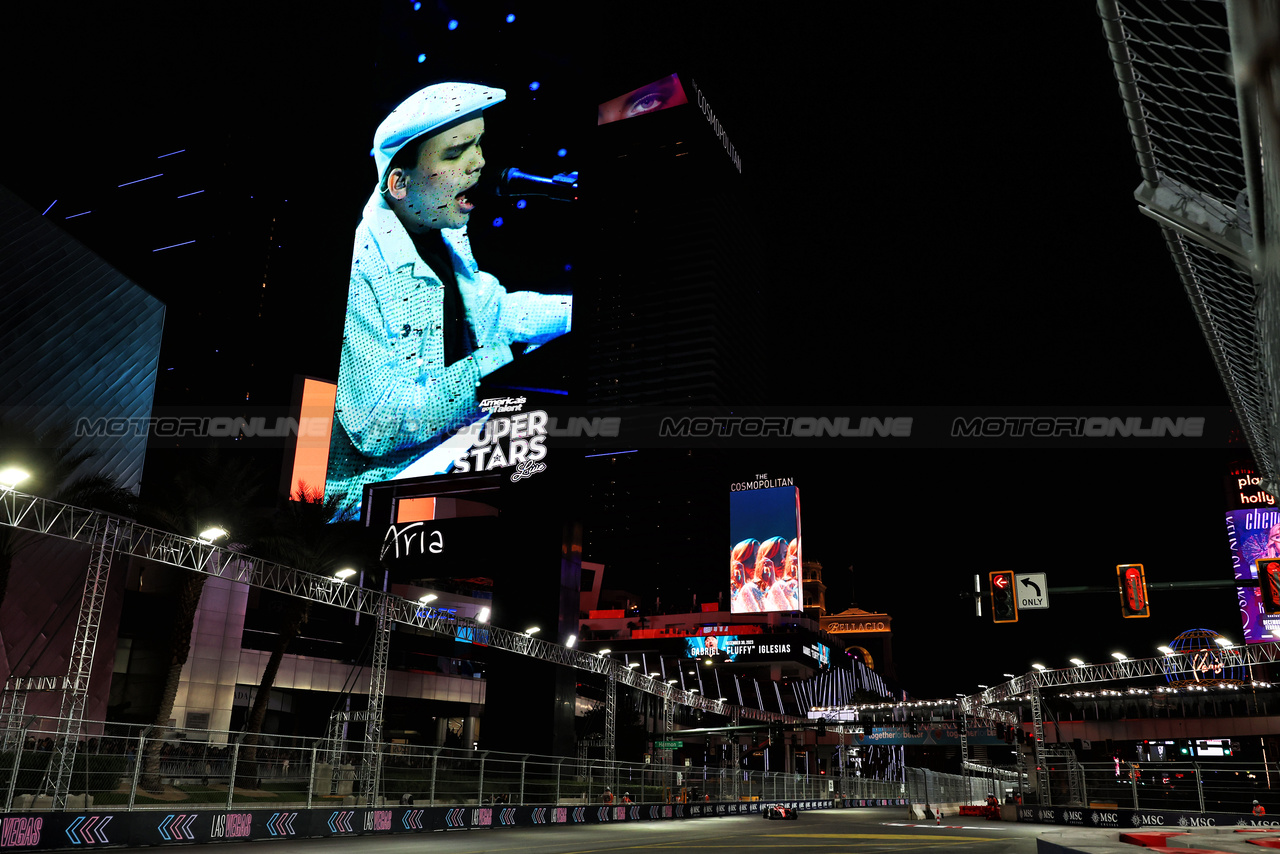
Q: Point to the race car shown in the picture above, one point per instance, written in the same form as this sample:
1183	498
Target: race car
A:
779	811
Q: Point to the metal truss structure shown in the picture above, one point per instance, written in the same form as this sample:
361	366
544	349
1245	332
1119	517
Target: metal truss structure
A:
371	766
332	746
668	731
1182	665
1037	726
611	718
109	535
1027	688
1198	79
44	516
102	544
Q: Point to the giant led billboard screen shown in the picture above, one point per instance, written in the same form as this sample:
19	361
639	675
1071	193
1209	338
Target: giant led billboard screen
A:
764	547
1253	534
758	648
455	277
662	94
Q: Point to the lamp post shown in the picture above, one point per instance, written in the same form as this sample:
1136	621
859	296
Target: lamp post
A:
11	476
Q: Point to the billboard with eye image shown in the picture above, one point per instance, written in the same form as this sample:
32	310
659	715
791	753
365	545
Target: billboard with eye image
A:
764	550
662	94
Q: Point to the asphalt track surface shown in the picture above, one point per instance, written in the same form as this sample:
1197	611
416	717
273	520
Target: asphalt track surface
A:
866	831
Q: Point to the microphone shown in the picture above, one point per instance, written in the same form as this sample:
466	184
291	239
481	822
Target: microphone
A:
513	183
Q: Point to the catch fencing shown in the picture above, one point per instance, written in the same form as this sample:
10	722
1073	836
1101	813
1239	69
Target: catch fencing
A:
125	767
1196	787
924	786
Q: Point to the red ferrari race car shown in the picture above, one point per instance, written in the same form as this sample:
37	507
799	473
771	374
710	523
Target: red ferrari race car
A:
779	811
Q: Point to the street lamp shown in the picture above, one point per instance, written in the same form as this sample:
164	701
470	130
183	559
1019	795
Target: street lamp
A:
344	574
1077	662
430	597
483	616
532	630
1223	642
1165	650
633	665
604	652
208	535
571	641
12	476
1119	656
1040	667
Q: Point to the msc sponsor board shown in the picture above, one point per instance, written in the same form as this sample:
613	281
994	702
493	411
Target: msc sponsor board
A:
45	831
1128	819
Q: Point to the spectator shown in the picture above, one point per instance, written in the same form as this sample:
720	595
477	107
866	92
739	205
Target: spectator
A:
1259	809
608	795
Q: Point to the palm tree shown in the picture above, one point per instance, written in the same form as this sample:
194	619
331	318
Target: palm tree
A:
54	465
301	536
214	490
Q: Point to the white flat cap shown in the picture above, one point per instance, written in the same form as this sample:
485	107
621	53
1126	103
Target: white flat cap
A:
425	112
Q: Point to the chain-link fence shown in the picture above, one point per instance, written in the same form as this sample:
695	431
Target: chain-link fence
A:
924	786
125	767
1196	80
1184	786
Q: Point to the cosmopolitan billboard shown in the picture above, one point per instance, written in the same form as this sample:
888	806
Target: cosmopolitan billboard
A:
764	547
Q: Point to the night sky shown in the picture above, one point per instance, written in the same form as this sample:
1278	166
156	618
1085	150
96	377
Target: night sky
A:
945	197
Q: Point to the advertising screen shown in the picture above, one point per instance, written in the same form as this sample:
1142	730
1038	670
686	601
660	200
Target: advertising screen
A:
662	94
1253	534
461	261
754	647
764	549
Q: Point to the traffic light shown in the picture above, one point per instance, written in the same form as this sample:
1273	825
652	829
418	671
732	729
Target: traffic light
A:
1133	591
1269	578
1004	601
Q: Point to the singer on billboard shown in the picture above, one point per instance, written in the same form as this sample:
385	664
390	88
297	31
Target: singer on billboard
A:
424	324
